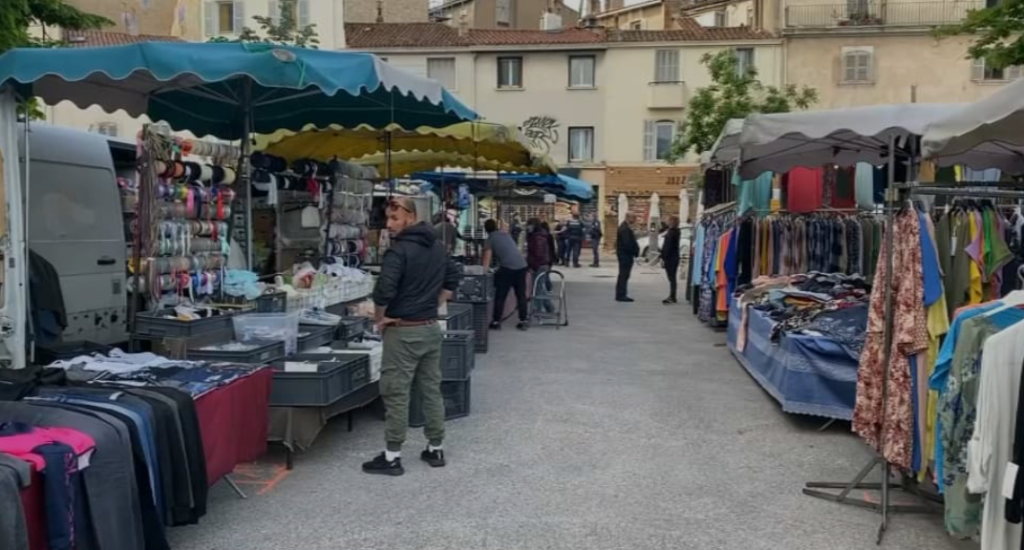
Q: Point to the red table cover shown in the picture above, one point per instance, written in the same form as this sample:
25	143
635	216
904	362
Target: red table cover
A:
233	421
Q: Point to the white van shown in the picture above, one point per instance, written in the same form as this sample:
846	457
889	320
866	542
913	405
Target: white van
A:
76	222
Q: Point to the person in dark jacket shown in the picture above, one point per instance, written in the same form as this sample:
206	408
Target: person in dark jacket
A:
538	246
627	249
574	238
670	258
511	274
416	277
562	238
595	239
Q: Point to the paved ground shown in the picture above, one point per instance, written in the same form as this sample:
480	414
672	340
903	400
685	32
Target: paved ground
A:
633	429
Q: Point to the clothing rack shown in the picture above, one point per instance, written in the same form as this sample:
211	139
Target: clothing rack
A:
884	505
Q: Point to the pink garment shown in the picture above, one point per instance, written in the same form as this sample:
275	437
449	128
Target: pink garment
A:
21	445
974	250
804	189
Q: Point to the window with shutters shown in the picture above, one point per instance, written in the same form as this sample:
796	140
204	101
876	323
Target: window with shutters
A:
223	17
857	67
658	138
666	66
503	12
297	11
720	19
442	69
982	72
581	71
510	72
744	61
581	144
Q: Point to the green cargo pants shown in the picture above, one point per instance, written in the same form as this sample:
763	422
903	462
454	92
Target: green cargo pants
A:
412	355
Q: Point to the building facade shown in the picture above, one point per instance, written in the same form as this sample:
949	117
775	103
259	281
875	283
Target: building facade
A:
390	11
177	18
604	104
502	14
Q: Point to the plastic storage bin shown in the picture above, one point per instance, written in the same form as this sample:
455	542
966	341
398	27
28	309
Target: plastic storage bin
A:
375	355
336	377
475	288
459	317
260	353
351	328
457	397
481	320
457	355
269	327
163	323
314	336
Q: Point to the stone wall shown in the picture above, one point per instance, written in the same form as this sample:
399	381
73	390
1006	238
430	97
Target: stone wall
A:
395	11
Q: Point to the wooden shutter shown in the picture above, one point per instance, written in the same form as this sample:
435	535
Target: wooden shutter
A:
650	147
211	26
239	22
303	14
274	11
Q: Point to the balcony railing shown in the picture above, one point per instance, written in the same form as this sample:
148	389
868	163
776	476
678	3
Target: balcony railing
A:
878	14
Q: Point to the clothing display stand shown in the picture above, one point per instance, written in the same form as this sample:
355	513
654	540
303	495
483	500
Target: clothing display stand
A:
884	505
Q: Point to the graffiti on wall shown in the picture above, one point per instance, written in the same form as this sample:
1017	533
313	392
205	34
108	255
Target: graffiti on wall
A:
541	132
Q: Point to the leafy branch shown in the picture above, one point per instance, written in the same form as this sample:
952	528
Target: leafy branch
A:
285	31
998	33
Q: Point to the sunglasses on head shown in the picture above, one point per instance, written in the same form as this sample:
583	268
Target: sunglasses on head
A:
395	205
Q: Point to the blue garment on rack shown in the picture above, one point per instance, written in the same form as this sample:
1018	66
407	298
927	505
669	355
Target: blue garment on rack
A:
698	257
864	185
753	194
929	265
731	265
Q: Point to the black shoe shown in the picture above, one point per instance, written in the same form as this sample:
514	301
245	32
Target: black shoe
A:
577	266
669	301
380	465
594	265
434	458
626	299
495	325
523	326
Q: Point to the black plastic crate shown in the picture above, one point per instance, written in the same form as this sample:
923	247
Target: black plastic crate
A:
457	398
475	288
481	325
351	328
264	353
63	351
335	378
315	337
457	355
459	317
272	302
161	323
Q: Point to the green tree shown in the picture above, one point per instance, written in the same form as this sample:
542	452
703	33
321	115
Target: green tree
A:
17	16
998	33
285	31
732	94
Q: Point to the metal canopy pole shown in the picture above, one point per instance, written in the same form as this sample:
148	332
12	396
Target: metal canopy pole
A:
884	506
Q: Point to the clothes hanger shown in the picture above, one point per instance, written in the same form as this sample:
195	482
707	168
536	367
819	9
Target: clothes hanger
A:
1013	299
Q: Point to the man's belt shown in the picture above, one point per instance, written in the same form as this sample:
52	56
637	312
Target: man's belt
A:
406	323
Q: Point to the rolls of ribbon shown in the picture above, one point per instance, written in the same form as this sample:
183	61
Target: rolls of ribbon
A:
229	176
205	245
206	174
179	170
218	174
160	167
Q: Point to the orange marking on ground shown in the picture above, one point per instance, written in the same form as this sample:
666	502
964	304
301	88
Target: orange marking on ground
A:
281	474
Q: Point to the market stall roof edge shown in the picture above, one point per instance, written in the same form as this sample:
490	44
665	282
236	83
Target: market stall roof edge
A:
209	88
995	121
557	184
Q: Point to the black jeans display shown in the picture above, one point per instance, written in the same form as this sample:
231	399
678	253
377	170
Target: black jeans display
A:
672	271
625	268
505	279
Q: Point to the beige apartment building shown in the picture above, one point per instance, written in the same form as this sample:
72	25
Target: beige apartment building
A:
501	14
604	103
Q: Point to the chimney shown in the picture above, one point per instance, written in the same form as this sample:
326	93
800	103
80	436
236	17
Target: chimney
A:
595	7
463	23
380	11
550	21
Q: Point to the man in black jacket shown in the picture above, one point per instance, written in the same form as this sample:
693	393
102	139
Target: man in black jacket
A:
627	249
670	258
416	277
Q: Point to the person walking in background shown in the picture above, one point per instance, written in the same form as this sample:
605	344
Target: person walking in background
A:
627	249
539	254
446	232
516	228
511	274
670	258
595	234
415	278
574	238
561	238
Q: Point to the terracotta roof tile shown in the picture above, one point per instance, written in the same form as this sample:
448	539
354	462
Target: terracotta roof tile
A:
440	35
92	39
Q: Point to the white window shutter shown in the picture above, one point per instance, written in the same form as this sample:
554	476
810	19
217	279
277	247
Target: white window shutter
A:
239	21
649	141
210	23
849	67
978	69
303	14
274	11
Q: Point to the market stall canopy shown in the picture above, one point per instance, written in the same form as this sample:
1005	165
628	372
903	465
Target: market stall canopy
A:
556	184
498	146
991	128
210	88
783	141
404	163
726	149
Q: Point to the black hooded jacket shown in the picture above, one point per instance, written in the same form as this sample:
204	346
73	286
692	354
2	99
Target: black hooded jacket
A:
414	271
